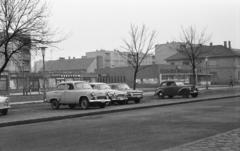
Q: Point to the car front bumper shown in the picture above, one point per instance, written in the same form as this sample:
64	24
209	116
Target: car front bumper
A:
5	107
100	101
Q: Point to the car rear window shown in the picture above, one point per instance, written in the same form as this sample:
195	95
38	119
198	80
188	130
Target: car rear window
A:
82	85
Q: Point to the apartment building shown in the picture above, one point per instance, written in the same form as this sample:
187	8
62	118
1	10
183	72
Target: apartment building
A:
112	59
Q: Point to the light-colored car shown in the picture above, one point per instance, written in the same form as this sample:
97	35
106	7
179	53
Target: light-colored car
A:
4	105
115	96
73	93
133	95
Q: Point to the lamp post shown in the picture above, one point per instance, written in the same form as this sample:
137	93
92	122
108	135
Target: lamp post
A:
206	63
43	49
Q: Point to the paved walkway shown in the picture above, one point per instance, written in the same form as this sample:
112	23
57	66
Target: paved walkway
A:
228	141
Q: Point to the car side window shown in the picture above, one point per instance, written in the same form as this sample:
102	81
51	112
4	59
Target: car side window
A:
164	84
70	86
171	84
61	87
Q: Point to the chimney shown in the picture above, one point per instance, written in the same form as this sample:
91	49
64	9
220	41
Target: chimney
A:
229	45
225	44
211	44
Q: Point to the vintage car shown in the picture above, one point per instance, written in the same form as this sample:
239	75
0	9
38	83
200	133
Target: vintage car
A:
4	105
115	96
172	88
133	95
73	93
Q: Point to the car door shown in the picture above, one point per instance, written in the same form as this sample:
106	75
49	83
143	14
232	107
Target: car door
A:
60	92
69	93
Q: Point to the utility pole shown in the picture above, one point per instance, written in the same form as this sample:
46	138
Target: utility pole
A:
43	49
206	63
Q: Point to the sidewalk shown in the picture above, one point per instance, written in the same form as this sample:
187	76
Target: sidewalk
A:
228	141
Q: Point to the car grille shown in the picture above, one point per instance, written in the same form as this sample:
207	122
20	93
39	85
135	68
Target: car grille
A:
137	94
121	95
101	97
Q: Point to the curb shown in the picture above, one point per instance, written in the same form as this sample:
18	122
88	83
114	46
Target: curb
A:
127	108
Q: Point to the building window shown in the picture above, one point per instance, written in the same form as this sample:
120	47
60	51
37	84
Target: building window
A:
185	62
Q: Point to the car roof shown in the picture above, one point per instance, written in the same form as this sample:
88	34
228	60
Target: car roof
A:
97	83
73	82
169	81
116	83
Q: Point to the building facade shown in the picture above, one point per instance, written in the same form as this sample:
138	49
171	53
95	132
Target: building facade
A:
163	51
60	70
112	59
220	61
16	73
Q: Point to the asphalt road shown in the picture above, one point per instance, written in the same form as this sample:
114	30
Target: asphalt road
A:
146	129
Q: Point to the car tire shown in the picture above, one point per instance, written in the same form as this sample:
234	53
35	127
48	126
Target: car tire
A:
160	95
84	103
122	102
194	95
102	105
4	111
137	101
185	94
72	106
55	104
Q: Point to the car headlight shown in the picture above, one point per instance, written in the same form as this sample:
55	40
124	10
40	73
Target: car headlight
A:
93	96
130	94
6	102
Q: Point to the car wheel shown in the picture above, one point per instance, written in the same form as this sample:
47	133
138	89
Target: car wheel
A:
121	102
84	103
102	105
137	101
160	95
4	111
72	106
55	104
194	95
185	94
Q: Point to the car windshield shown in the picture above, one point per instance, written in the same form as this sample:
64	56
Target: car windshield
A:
179	83
82	85
104	87
123	87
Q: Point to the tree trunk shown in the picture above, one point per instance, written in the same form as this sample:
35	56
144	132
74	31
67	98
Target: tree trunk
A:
194	75
134	78
2	68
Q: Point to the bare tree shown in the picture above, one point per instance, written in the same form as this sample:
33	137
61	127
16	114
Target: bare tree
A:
137	47
23	25
191	47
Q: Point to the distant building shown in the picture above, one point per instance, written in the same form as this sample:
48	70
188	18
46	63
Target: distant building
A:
112	59
68	69
220	61
163	51
16	74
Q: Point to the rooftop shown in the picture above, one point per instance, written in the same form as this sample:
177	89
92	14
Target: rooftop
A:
68	64
210	51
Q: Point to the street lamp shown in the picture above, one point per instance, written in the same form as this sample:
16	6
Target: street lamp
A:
43	49
206	63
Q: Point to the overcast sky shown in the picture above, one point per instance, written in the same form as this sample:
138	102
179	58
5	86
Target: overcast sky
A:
102	24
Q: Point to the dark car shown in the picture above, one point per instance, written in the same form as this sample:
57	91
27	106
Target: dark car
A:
133	95
172	88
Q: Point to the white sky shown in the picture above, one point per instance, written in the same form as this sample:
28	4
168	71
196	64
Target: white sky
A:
102	24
